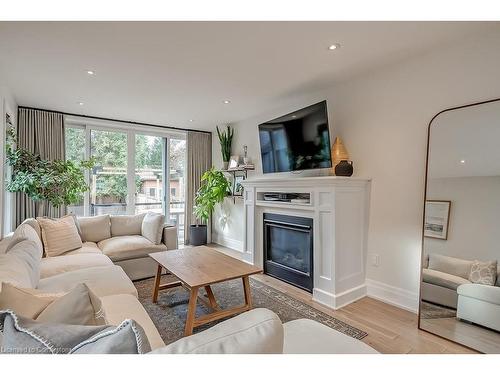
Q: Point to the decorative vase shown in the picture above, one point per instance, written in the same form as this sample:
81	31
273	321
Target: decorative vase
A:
246	160
225	165
339	152
344	168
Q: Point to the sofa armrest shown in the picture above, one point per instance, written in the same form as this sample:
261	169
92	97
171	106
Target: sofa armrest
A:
169	237
258	331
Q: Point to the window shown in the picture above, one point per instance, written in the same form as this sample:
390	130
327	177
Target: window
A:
75	151
132	170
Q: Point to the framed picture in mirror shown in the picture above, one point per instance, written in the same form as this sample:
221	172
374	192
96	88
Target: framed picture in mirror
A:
437	219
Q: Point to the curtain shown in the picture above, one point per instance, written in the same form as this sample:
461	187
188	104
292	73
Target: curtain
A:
41	132
199	160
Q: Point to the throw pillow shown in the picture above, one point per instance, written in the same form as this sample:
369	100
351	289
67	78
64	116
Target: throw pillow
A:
24	301
95	228
152	227
79	306
483	272
21	265
24	232
126	225
23	335
59	235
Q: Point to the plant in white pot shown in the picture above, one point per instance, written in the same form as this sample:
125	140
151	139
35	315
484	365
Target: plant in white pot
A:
214	187
226	140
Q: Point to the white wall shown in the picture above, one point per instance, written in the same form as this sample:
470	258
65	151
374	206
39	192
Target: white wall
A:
7	105
473	231
382	117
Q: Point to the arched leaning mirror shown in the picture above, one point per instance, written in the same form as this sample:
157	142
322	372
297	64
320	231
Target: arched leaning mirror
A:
460	283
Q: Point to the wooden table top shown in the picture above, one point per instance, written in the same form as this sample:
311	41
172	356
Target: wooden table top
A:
201	265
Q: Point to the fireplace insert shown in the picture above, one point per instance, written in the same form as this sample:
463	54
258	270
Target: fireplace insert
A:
288	249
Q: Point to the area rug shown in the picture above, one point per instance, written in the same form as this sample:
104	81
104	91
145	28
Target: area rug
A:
169	314
432	311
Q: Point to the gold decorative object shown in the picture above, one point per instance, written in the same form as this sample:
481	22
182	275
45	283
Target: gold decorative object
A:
339	152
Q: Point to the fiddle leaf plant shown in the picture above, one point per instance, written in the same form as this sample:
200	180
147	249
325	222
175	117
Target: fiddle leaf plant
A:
214	187
225	140
58	182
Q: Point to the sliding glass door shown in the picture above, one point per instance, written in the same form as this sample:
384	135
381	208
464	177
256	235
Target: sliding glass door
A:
108	180
149	173
135	172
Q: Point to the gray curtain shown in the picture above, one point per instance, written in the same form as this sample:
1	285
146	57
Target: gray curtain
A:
199	160
41	132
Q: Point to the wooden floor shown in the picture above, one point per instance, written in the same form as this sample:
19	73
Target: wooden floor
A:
483	339
390	329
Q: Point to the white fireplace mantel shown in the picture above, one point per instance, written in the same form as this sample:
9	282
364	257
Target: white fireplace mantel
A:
339	209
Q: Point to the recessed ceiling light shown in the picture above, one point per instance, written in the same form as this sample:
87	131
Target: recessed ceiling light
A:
90	72
462	161
191	120
294	116
334	47
227	101
81	103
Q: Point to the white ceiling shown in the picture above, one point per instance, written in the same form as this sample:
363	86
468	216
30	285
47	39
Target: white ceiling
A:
470	134
170	72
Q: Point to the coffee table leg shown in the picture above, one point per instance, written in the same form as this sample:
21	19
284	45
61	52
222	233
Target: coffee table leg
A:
193	297
157	283
211	298
248	295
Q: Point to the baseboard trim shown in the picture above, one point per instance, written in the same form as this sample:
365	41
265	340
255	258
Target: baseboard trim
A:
337	301
392	295
227	242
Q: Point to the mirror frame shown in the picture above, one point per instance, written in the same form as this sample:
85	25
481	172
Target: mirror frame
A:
423	211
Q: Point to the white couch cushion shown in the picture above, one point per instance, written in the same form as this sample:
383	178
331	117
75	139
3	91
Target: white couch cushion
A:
55	265
103	281
119	307
305	336
21	265
487	293
87	248
443	279
128	247
95	228
453	266
59	235
152	227
258	331
126	225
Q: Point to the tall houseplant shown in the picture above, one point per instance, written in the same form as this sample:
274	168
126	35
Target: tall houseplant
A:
225	139
53	182
213	189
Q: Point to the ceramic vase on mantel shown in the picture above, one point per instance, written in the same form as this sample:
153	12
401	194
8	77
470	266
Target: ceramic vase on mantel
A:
339	152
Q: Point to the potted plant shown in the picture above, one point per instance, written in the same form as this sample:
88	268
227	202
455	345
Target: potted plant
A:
213	189
225	139
50	182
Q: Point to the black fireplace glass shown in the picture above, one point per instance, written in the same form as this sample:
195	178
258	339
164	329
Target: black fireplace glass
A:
290	247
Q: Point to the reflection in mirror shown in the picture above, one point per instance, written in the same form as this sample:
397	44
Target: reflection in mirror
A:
460	290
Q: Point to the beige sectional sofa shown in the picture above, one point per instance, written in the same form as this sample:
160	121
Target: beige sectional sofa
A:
257	331
118	238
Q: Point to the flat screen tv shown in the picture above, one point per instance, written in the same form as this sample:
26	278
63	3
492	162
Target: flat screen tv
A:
297	141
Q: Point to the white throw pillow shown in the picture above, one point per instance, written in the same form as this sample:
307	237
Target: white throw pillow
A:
21	265
483	272
59	235
152	227
95	228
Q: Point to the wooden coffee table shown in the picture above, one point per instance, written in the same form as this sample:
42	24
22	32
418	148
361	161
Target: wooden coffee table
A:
200	267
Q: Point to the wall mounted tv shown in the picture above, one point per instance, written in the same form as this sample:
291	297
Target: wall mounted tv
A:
297	141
